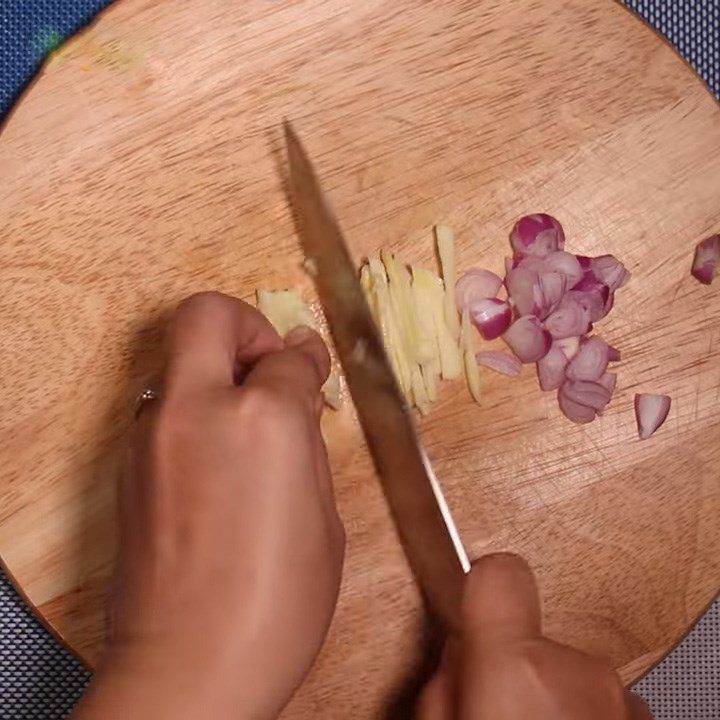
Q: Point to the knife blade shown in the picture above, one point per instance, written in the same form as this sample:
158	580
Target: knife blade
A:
422	518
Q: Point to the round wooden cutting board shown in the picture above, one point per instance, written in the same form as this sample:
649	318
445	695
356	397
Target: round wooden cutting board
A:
142	167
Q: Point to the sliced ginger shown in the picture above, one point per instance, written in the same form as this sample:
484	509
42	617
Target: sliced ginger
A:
415	314
286	311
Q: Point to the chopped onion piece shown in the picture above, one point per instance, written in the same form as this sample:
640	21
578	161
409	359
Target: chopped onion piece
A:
596	296
538	235
594	301
588	393
650	413
584	261
566	264
581	401
500	362
475	285
570	319
548	292
569	346
705	263
609	382
491	316
535	264
520	283
609	271
573	410
613	354
588	282
528	339
551	368
591	360
609	304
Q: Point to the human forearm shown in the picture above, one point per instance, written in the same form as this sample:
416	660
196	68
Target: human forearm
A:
145	690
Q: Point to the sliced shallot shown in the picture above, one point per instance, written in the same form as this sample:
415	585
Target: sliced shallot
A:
530	262
597	296
609	382
500	362
548	292
566	264
575	411
491	316
584	261
474	285
534	294
557	296
589	393
520	283
582	400
570	319
607	307
650	413
593	301
589	282
591	360
610	271
537	235
551	368
528	339
569	346
707	257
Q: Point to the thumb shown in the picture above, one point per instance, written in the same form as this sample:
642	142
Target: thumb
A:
501	601
296	372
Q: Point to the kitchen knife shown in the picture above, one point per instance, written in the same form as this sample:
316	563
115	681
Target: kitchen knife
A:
424	524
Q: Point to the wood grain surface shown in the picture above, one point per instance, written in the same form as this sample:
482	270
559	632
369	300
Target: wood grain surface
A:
141	167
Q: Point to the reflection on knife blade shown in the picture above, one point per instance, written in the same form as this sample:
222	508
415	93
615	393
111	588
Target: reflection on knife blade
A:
425	526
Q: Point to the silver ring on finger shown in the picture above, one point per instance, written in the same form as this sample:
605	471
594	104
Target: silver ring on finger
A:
146	396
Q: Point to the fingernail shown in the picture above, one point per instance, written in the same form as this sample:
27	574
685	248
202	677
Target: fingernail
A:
298	336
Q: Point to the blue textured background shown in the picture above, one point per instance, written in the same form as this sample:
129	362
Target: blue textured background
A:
38	679
29	30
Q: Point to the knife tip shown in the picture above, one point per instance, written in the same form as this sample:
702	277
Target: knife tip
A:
299	163
289	131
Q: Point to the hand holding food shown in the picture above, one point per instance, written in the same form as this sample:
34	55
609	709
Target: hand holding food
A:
231	544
